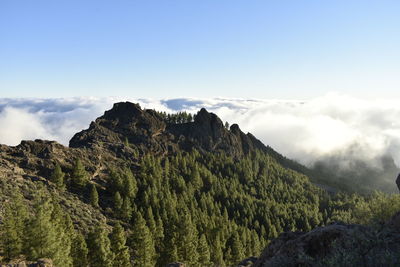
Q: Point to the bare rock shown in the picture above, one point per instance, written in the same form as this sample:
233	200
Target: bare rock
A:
247	262
149	132
314	244
176	264
394	222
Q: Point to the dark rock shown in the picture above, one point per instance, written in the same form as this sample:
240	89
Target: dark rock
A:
398	181
394	222
148	132
317	242
176	264
42	263
309	248
247	262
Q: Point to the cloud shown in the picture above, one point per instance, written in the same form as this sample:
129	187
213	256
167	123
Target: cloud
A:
303	130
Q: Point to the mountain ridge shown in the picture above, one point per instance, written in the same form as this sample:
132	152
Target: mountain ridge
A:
186	182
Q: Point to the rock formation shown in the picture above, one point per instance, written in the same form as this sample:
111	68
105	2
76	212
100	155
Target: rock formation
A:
148	131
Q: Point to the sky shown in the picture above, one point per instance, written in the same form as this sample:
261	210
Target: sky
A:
168	49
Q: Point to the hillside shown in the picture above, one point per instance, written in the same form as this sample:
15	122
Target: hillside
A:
145	188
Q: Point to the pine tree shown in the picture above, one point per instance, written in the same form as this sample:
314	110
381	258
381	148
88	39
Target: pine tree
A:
203	251
142	244
79	177
117	203
115	181
11	239
226	125
13	227
129	183
217	255
255	243
126	209
170	251
118	247
195	178
187	240
79	251
45	234
159	235
64	229
236	249
41	234
94	197
100	254
57	177
151	223
126	141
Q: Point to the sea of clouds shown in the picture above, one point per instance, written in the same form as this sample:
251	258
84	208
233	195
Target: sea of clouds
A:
306	131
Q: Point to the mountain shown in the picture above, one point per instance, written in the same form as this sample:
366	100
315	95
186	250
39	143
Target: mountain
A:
149	131
146	188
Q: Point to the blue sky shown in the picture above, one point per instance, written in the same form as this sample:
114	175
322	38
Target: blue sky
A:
245	49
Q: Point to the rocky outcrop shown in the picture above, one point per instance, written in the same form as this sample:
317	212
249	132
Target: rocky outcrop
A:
149	132
337	244
124	120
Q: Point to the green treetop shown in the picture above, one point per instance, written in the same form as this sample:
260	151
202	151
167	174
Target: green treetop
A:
119	248
57	177
79	177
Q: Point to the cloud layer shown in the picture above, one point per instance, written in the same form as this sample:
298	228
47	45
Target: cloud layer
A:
303	130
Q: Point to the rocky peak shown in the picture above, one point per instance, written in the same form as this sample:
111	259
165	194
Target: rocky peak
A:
147	130
123	111
203	117
125	121
235	129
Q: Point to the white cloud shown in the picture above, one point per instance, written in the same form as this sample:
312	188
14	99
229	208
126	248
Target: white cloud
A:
303	130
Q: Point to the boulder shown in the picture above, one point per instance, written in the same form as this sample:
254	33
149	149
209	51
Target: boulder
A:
322	243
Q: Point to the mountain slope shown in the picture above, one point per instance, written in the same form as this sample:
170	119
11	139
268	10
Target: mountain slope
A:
183	189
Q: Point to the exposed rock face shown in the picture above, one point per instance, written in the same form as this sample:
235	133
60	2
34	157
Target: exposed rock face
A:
340	243
148	131
123	120
398	181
